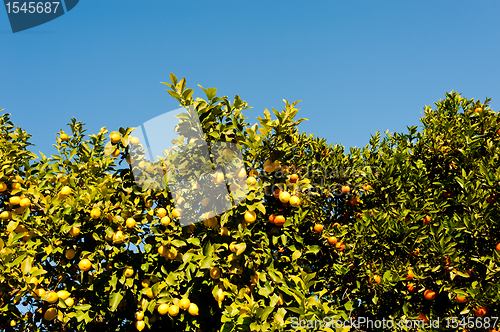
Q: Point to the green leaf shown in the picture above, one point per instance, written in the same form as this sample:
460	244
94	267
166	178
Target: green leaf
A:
115	300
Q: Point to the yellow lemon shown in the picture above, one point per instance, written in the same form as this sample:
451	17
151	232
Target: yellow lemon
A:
5	215
118	237
163	308
251	180
134	141
269	166
128	272
161	212
115	138
130	222
149	293
25	202
140	325
294	201
85	264
74	231
165	221
15	200
250	216
50	297
172	253
95	214
64	137
63	294
176	213
173	310
50	314
284	197
70	253
193	309
69	301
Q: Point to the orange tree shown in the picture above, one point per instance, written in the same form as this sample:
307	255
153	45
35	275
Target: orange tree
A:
404	228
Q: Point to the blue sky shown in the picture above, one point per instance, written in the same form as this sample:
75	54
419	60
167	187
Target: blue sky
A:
357	66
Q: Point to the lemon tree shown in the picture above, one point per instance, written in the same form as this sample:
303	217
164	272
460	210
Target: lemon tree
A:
403	228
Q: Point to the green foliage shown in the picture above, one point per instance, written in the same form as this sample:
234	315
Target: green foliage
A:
372	200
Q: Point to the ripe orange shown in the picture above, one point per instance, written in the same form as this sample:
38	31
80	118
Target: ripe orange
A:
318	228
376	278
3	187
5	215
429	294
276	193
423	317
294	178
339	246
332	240
149	293
410	275
64	137
271	218
498	246
461	298
478	109
411	287
115	138
346	189
480	312
426	220
139	315
15	185
115	153
367	187
279	220
250	216
149	203
215	273
130	223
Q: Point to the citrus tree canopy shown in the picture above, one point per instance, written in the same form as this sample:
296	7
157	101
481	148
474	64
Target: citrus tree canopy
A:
405	228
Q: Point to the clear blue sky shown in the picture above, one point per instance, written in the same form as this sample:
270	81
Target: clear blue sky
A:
358	66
